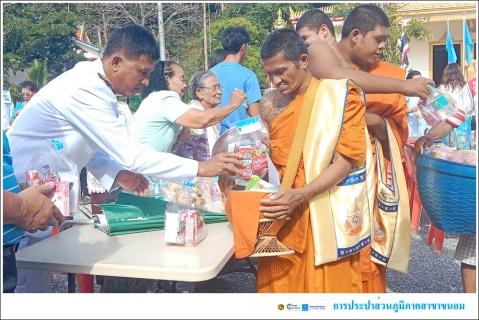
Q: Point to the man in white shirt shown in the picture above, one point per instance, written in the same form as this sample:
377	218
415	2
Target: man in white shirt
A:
79	109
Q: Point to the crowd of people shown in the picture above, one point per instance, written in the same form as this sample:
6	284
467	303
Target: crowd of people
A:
371	111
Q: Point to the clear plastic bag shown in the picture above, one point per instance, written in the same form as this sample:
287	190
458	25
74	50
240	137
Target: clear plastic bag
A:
437	107
184	218
250	138
441	151
49	164
169	189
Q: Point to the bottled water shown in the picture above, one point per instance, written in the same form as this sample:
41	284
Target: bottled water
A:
438	106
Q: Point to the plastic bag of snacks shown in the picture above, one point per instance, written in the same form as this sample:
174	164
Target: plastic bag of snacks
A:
184	217
250	138
169	189
48	165
203	185
441	151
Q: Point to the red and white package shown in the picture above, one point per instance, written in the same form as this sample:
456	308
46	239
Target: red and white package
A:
60	196
33	178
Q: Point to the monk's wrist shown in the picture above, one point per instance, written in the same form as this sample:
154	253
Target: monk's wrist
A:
307	193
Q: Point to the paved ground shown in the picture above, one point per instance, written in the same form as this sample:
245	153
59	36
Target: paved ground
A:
429	272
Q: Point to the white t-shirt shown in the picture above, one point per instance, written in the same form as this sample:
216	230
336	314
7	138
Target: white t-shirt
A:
154	124
466	104
78	109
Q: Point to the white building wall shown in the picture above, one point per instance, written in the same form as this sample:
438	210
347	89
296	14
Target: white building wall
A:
419	58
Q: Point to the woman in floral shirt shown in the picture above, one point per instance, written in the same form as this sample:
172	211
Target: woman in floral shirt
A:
198	144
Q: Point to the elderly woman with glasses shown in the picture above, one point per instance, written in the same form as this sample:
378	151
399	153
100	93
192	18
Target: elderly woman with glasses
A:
29	88
162	111
206	93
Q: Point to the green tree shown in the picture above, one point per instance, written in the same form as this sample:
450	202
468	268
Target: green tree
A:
413	29
253	60
258	19
41	31
38	73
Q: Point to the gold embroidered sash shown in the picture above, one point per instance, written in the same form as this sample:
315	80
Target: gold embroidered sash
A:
341	216
391	220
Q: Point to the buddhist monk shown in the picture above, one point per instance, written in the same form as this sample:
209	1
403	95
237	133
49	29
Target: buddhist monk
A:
338	118
364	36
319	36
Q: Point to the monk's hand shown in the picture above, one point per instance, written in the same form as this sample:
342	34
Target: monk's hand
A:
221	164
133	182
281	205
424	141
418	87
226	184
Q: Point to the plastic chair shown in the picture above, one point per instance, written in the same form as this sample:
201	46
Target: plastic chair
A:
415	204
434	235
438	236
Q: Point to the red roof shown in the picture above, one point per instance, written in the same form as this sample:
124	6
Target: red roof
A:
81	34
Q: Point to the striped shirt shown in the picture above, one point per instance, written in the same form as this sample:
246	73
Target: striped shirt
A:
467	102
11	234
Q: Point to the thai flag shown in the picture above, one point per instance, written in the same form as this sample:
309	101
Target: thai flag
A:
404	51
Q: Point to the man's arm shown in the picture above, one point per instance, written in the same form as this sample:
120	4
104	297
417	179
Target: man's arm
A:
253	93
30	209
324	63
196	119
436	132
253	109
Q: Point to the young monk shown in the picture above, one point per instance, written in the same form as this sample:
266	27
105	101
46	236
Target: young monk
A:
315	25
325	62
337	132
364	34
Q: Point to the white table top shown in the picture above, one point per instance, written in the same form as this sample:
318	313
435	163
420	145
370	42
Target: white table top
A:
86	250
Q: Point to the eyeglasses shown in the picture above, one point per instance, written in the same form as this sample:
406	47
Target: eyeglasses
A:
26	94
215	88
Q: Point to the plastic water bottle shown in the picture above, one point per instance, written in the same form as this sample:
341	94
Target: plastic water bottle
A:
156	191
438	106
215	192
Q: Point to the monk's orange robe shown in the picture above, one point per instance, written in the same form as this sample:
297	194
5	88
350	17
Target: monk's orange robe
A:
392	107
297	272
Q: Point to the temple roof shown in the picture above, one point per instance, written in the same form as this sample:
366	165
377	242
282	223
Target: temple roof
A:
435	11
438	11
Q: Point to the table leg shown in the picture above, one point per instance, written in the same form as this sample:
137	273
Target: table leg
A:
173	286
71	283
251	266
150	286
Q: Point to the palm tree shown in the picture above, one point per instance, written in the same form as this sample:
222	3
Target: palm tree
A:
38	73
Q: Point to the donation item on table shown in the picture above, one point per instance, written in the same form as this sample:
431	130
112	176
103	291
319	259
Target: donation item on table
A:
184	217
49	164
250	138
438	106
